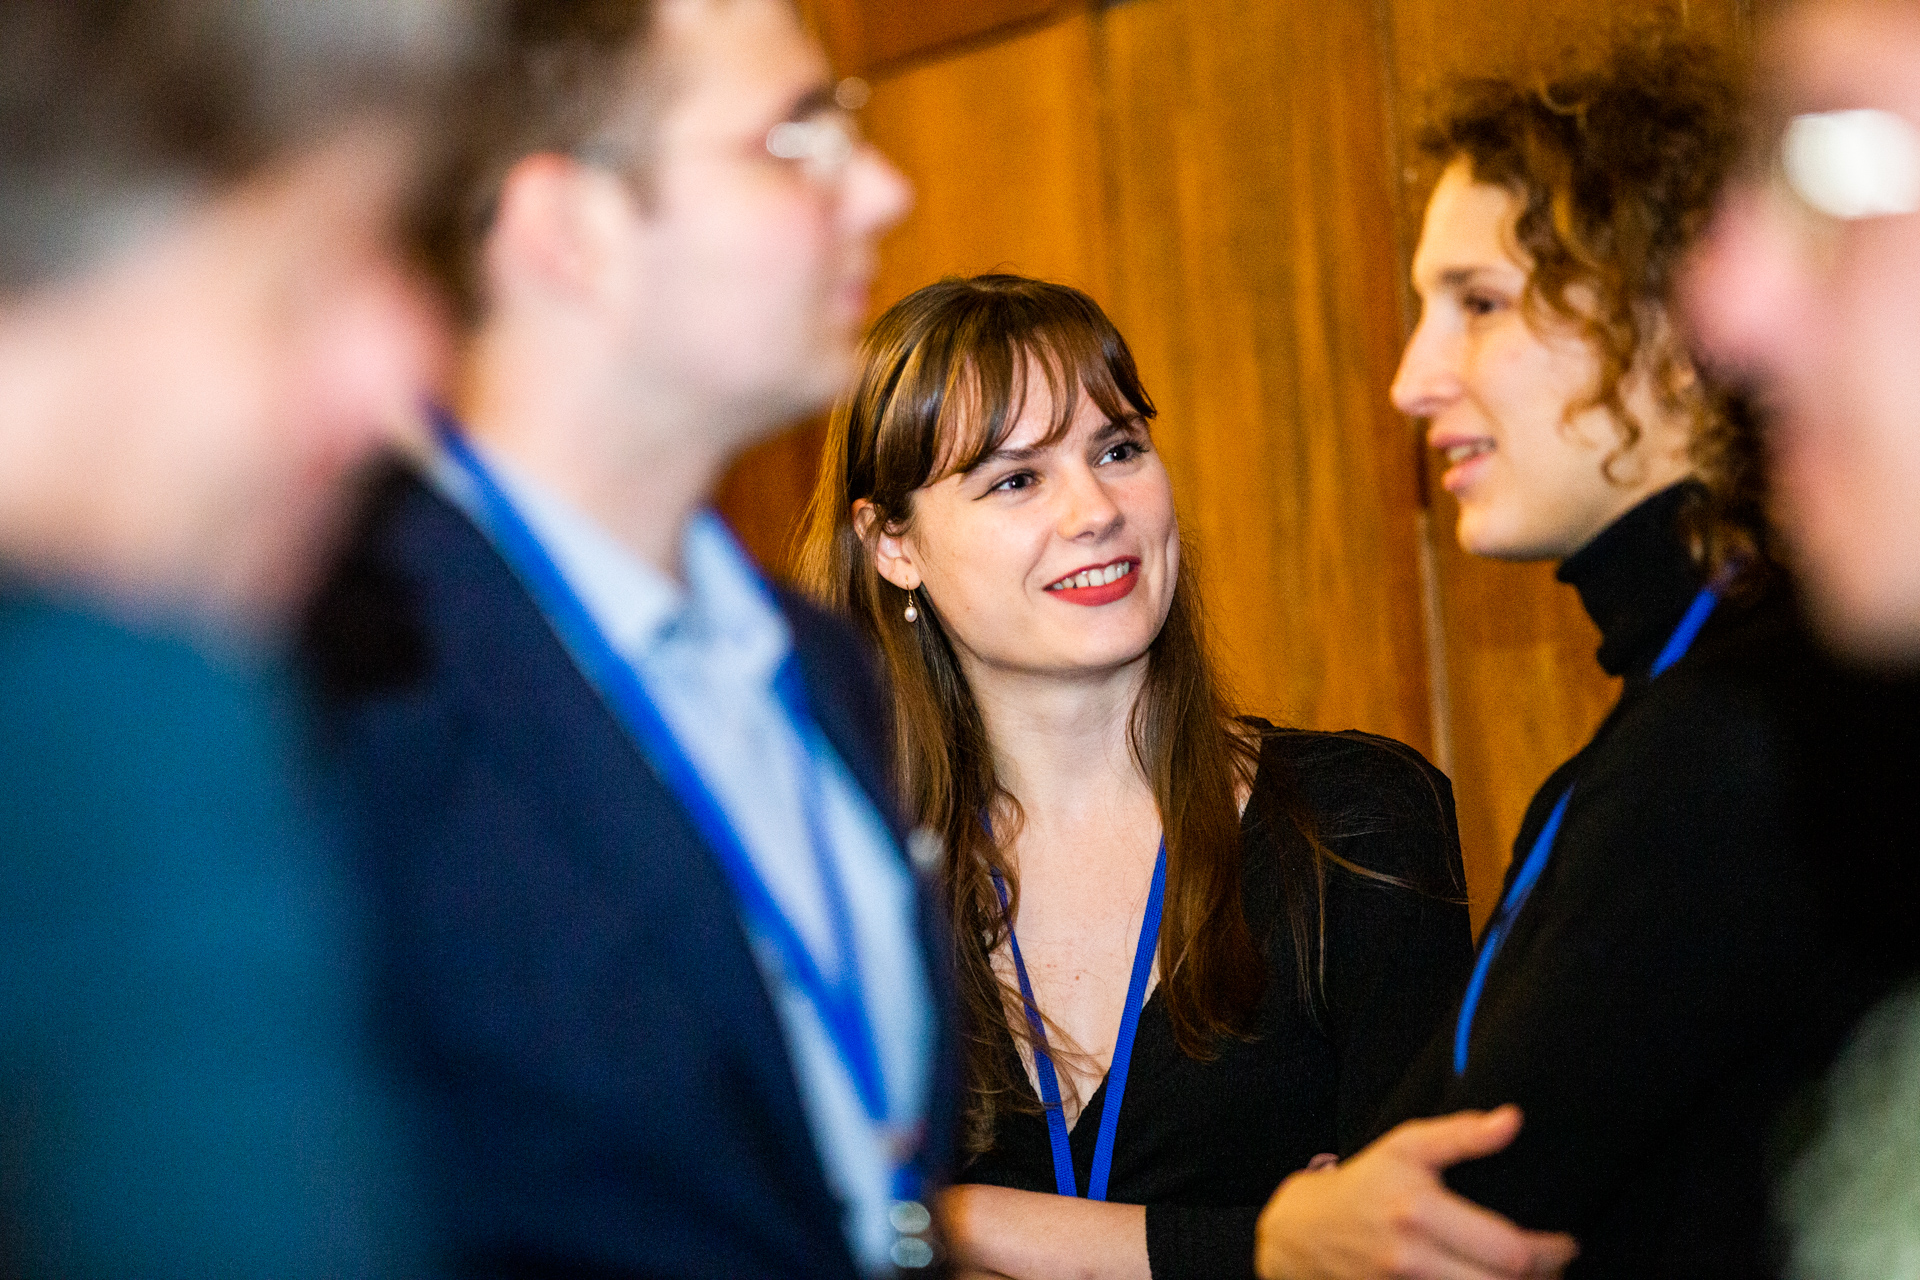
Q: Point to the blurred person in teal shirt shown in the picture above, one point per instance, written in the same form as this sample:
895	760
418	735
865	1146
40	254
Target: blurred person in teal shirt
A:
206	319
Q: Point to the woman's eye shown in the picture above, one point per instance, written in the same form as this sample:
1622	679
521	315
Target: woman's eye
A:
1124	451
1481	304
1010	483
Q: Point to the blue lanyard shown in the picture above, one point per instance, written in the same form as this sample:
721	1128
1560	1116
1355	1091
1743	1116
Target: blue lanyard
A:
1677	645
1063	1175
838	999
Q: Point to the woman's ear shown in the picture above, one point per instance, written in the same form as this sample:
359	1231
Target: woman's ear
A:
892	553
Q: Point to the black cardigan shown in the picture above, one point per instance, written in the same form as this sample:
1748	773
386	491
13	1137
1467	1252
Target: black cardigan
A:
1679	972
1203	1144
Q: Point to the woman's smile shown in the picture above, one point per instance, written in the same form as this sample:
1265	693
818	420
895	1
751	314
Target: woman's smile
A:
1098	584
1463	454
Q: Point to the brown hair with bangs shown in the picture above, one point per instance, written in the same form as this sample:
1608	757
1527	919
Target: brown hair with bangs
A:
1616	170
943	378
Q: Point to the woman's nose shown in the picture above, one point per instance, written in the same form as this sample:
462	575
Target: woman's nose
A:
1090	508
1429	377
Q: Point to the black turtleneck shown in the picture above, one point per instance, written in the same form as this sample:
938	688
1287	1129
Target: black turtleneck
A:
1635	580
1678	974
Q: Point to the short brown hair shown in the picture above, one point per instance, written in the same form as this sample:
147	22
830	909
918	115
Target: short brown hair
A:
113	111
1616	171
567	69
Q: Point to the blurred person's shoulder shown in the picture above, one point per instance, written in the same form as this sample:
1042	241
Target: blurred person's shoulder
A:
1850	1199
62	651
117	729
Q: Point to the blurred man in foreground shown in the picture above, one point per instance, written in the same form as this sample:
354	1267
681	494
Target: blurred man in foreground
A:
204	320
659	958
1809	288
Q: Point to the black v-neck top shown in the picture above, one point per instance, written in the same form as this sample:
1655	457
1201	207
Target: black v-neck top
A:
1681	968
1203	1144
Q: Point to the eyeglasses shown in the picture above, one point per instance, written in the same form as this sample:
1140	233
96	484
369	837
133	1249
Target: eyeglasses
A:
1847	165
823	143
826	141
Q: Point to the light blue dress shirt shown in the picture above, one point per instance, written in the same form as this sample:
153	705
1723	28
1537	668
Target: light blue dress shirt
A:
708	653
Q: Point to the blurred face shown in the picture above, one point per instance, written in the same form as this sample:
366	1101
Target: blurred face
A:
1057	559
1496	393
753	267
1820	310
231	369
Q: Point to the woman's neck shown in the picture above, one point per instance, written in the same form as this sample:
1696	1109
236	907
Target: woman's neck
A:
1063	747
1084	854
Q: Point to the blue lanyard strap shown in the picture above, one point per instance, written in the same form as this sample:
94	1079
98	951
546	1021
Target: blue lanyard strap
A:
1502	921
1675	648
1683	635
838	999
1064	1177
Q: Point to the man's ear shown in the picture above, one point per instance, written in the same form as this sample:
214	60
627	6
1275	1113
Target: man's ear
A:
552	227
892	553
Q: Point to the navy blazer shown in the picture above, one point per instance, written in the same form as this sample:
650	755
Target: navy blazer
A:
567	971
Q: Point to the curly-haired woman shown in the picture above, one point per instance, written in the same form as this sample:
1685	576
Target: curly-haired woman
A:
1662	973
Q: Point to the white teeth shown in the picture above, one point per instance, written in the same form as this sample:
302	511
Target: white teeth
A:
1458	453
1094	577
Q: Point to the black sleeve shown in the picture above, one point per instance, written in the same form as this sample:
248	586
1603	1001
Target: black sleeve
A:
1186	1242
1677	937
1396	954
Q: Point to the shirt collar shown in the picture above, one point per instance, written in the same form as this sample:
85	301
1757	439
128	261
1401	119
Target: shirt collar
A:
724	608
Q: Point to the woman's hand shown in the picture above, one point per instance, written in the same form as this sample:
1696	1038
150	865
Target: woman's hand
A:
1385	1215
1028	1235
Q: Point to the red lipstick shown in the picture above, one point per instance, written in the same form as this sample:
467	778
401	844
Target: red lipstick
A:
1106	592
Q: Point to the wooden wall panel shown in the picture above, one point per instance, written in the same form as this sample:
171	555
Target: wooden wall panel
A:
868	35
1004	149
1254	275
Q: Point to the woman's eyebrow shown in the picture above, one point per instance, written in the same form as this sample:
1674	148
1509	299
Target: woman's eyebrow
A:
1004	454
1460	277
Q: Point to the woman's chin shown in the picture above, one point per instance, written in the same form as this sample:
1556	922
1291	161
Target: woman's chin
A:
1097	662
1486	535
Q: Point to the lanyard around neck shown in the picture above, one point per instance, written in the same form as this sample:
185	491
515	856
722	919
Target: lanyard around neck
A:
838	998
1675	648
1064	1178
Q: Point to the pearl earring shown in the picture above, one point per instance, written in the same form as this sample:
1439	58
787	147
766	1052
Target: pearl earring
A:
912	614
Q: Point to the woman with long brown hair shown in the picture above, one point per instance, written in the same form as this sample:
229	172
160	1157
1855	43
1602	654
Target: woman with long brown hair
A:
1194	950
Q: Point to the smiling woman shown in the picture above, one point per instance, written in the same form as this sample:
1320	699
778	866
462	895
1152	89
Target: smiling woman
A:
1220	939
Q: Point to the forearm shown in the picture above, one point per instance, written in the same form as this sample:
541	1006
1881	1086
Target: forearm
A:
1027	1235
